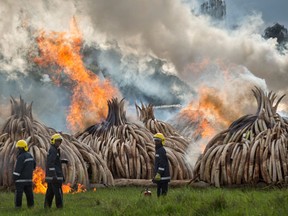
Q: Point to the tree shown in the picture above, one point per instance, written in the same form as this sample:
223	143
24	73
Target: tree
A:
280	33
214	8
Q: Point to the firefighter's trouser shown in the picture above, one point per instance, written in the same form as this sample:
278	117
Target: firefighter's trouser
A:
28	190
162	188
54	189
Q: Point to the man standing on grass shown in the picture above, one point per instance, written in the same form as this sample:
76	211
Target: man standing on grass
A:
22	175
54	173
161	166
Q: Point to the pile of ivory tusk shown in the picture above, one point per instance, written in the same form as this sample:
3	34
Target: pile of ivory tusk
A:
84	164
126	147
175	144
252	150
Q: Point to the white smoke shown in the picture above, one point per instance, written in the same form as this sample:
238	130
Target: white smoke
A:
169	30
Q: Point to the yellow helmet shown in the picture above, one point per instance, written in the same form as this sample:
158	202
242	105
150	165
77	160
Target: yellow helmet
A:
160	136
55	137
22	144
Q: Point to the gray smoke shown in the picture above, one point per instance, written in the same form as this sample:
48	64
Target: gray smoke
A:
49	103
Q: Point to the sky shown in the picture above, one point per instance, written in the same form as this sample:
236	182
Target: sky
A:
272	11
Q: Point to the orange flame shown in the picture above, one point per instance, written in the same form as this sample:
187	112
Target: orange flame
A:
40	186
90	94
197	115
208	112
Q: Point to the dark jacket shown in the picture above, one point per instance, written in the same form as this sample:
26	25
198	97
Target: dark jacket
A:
161	163
25	165
53	166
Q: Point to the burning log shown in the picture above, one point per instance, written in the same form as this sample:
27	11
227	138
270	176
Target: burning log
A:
253	149
22	125
126	147
175	144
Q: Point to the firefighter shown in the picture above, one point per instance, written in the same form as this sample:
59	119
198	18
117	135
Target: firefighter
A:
22	175
54	173
161	166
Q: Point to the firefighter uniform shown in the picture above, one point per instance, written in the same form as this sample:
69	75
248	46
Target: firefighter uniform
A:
54	176
22	175
161	166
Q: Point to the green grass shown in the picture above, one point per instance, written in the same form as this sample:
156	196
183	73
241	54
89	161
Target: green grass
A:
179	201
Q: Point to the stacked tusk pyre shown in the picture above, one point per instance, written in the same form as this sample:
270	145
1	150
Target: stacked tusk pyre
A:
175	144
252	150
126	147
84	164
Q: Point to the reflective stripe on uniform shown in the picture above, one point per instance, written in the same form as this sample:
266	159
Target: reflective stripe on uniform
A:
50	178
161	168
28	159
156	155
52	168
24	180
15	173
165	178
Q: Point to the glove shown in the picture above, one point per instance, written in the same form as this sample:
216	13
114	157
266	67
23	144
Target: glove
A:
65	161
157	177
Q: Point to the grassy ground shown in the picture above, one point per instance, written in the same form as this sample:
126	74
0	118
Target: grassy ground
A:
179	201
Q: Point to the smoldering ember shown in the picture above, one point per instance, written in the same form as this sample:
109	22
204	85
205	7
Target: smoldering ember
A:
213	86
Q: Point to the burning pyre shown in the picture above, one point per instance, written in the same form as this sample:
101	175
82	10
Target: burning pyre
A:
252	150
126	147
84	164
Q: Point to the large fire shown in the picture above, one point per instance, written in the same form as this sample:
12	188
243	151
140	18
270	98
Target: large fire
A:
90	94
40	186
208	113
196	114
